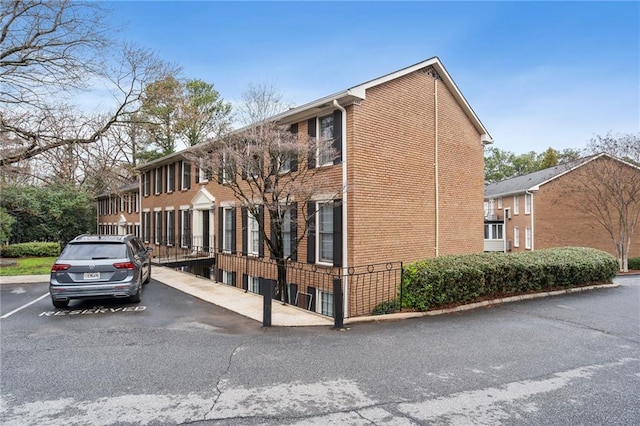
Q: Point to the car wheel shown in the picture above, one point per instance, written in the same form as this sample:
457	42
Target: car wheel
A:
136	297
146	281
60	303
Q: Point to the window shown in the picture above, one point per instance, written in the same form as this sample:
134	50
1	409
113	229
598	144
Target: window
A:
253	236
147	183
516	204
227	237
527	238
146	226
171	176
158	227
493	231
227	168
227	278
171	232
325	137
500	202
326	303
324	219
253	284
185	228
286	233
527	203
185	175
158	180
516	236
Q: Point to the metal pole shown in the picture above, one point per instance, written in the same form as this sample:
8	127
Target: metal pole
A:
338	305
266	290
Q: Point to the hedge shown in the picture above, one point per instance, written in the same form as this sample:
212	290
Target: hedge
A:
634	263
459	279
31	250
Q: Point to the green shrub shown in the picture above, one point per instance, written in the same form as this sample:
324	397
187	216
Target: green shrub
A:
634	263
388	307
31	250
459	279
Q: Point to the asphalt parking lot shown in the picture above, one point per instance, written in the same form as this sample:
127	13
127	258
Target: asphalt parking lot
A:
569	359
30	305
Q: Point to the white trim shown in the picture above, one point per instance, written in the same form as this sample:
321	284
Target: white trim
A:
157	209
169	208
184	207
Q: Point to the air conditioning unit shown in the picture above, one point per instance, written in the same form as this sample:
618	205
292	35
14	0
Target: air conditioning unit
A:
507	213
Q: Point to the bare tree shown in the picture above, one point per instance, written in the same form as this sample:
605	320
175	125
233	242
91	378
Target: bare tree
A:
54	52
625	146
266	166
607	190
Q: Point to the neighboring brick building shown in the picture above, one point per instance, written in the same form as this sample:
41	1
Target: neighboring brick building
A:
119	212
539	210
411	163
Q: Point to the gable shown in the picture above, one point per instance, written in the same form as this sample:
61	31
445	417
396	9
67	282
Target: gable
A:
203	200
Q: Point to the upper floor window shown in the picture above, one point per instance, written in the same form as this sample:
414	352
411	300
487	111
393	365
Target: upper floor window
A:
185	175
325	137
146	187
228	229
527	203
500	202
516	204
171	177
158	180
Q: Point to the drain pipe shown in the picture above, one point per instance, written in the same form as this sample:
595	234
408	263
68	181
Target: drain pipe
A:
345	257
435	166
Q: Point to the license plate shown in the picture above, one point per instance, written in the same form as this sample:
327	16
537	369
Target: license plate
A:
92	275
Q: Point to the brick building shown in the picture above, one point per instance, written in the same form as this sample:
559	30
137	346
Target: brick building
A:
409	174
545	209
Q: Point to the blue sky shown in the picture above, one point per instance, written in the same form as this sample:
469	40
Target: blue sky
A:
538	74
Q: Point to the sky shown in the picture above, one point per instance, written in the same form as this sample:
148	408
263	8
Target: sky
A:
537	74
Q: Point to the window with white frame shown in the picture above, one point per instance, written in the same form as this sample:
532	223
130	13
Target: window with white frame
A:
324	225
516	204
227	226
228	171
500	202
185	228
146	226
158	180
253	236
171	177
158	228
227	277
253	284
325	137
326	303
493	231
516	236
186	175
146	187
527	238
527	203
171	232
286	233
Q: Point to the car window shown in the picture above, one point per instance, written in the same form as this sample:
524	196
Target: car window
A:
135	245
93	251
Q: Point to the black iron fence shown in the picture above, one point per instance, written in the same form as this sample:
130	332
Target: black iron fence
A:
327	290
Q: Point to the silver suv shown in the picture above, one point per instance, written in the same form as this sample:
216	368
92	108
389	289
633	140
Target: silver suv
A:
100	266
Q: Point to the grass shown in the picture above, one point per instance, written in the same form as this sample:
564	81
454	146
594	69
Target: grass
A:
27	266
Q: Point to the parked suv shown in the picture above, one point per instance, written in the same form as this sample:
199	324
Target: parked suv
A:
100	266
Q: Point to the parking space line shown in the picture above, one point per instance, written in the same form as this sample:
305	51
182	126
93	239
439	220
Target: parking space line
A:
24	306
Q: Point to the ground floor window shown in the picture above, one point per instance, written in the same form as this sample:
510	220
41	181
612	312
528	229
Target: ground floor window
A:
527	238
326	303
253	284
516	236
227	278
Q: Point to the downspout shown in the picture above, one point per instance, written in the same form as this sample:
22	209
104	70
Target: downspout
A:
345	257
140	197
435	171
533	233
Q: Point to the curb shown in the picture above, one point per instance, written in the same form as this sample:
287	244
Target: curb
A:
476	305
